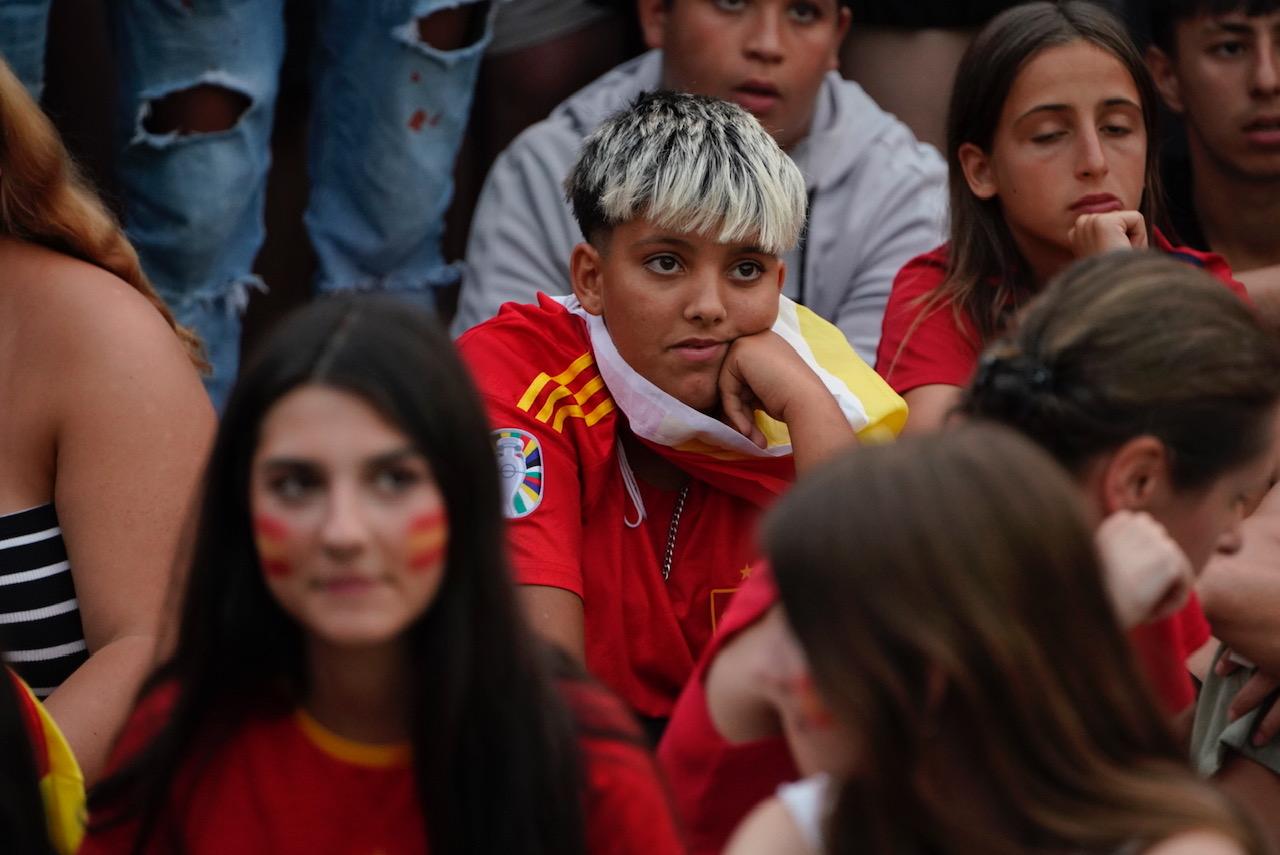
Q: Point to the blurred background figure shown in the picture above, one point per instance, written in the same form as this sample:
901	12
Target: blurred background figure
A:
101	441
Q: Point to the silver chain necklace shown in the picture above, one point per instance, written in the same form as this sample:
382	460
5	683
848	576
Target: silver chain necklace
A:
672	530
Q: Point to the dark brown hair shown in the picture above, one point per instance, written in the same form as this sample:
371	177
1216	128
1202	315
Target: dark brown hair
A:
1165	15
496	763
1132	343
948	597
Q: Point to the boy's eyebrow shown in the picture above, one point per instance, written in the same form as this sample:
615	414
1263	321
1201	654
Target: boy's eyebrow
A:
1235	27
665	240
750	249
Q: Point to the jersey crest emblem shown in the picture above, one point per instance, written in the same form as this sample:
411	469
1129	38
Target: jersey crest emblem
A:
520	468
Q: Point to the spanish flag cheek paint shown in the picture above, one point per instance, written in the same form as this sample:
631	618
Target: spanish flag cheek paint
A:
428	538
269	535
813	712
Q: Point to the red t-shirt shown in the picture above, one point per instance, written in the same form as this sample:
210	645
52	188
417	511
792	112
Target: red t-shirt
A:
570	517
942	349
1162	648
285	784
714	783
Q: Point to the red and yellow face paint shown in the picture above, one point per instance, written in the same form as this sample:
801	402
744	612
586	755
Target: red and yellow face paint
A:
427	541
270	536
812	711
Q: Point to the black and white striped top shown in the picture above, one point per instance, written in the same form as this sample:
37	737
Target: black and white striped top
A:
40	629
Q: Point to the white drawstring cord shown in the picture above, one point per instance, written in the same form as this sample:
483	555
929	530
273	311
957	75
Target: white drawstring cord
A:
629	479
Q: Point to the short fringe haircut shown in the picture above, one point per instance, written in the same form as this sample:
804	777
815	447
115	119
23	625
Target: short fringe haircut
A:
690	163
1166	14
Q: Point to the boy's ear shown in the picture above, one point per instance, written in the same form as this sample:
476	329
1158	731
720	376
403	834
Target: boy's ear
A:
782	275
842	30
653	20
1136	476
976	166
1166	78
586	273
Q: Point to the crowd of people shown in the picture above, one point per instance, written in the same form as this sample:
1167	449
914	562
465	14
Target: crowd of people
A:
782	483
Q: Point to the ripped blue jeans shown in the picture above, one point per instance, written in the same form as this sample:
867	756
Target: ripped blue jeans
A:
23	28
388	114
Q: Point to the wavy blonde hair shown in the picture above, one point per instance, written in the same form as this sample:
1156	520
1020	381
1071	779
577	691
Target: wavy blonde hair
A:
45	200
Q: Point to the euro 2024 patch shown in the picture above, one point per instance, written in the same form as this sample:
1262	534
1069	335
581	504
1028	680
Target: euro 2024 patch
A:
520	468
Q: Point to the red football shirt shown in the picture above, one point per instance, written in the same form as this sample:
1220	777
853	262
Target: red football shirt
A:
1162	648
573	524
942	349
285	784
715	783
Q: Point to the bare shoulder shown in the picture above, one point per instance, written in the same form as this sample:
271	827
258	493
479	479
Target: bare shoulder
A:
1196	843
78	305
88	325
768	830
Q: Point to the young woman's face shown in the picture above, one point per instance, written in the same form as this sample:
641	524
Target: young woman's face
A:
348	521
1070	141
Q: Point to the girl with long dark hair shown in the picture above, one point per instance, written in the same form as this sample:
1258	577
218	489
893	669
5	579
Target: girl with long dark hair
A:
948	599
1052	153
351	671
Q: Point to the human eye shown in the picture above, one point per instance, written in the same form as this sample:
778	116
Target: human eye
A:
1116	129
1046	137
746	271
730	5
664	264
1228	48
804	12
393	479
294	484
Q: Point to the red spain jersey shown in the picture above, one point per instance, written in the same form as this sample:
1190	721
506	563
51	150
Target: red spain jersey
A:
715	783
941	348
284	784
573	525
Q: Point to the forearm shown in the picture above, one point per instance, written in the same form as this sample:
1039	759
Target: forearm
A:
92	705
930	407
1242	603
818	429
557	616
